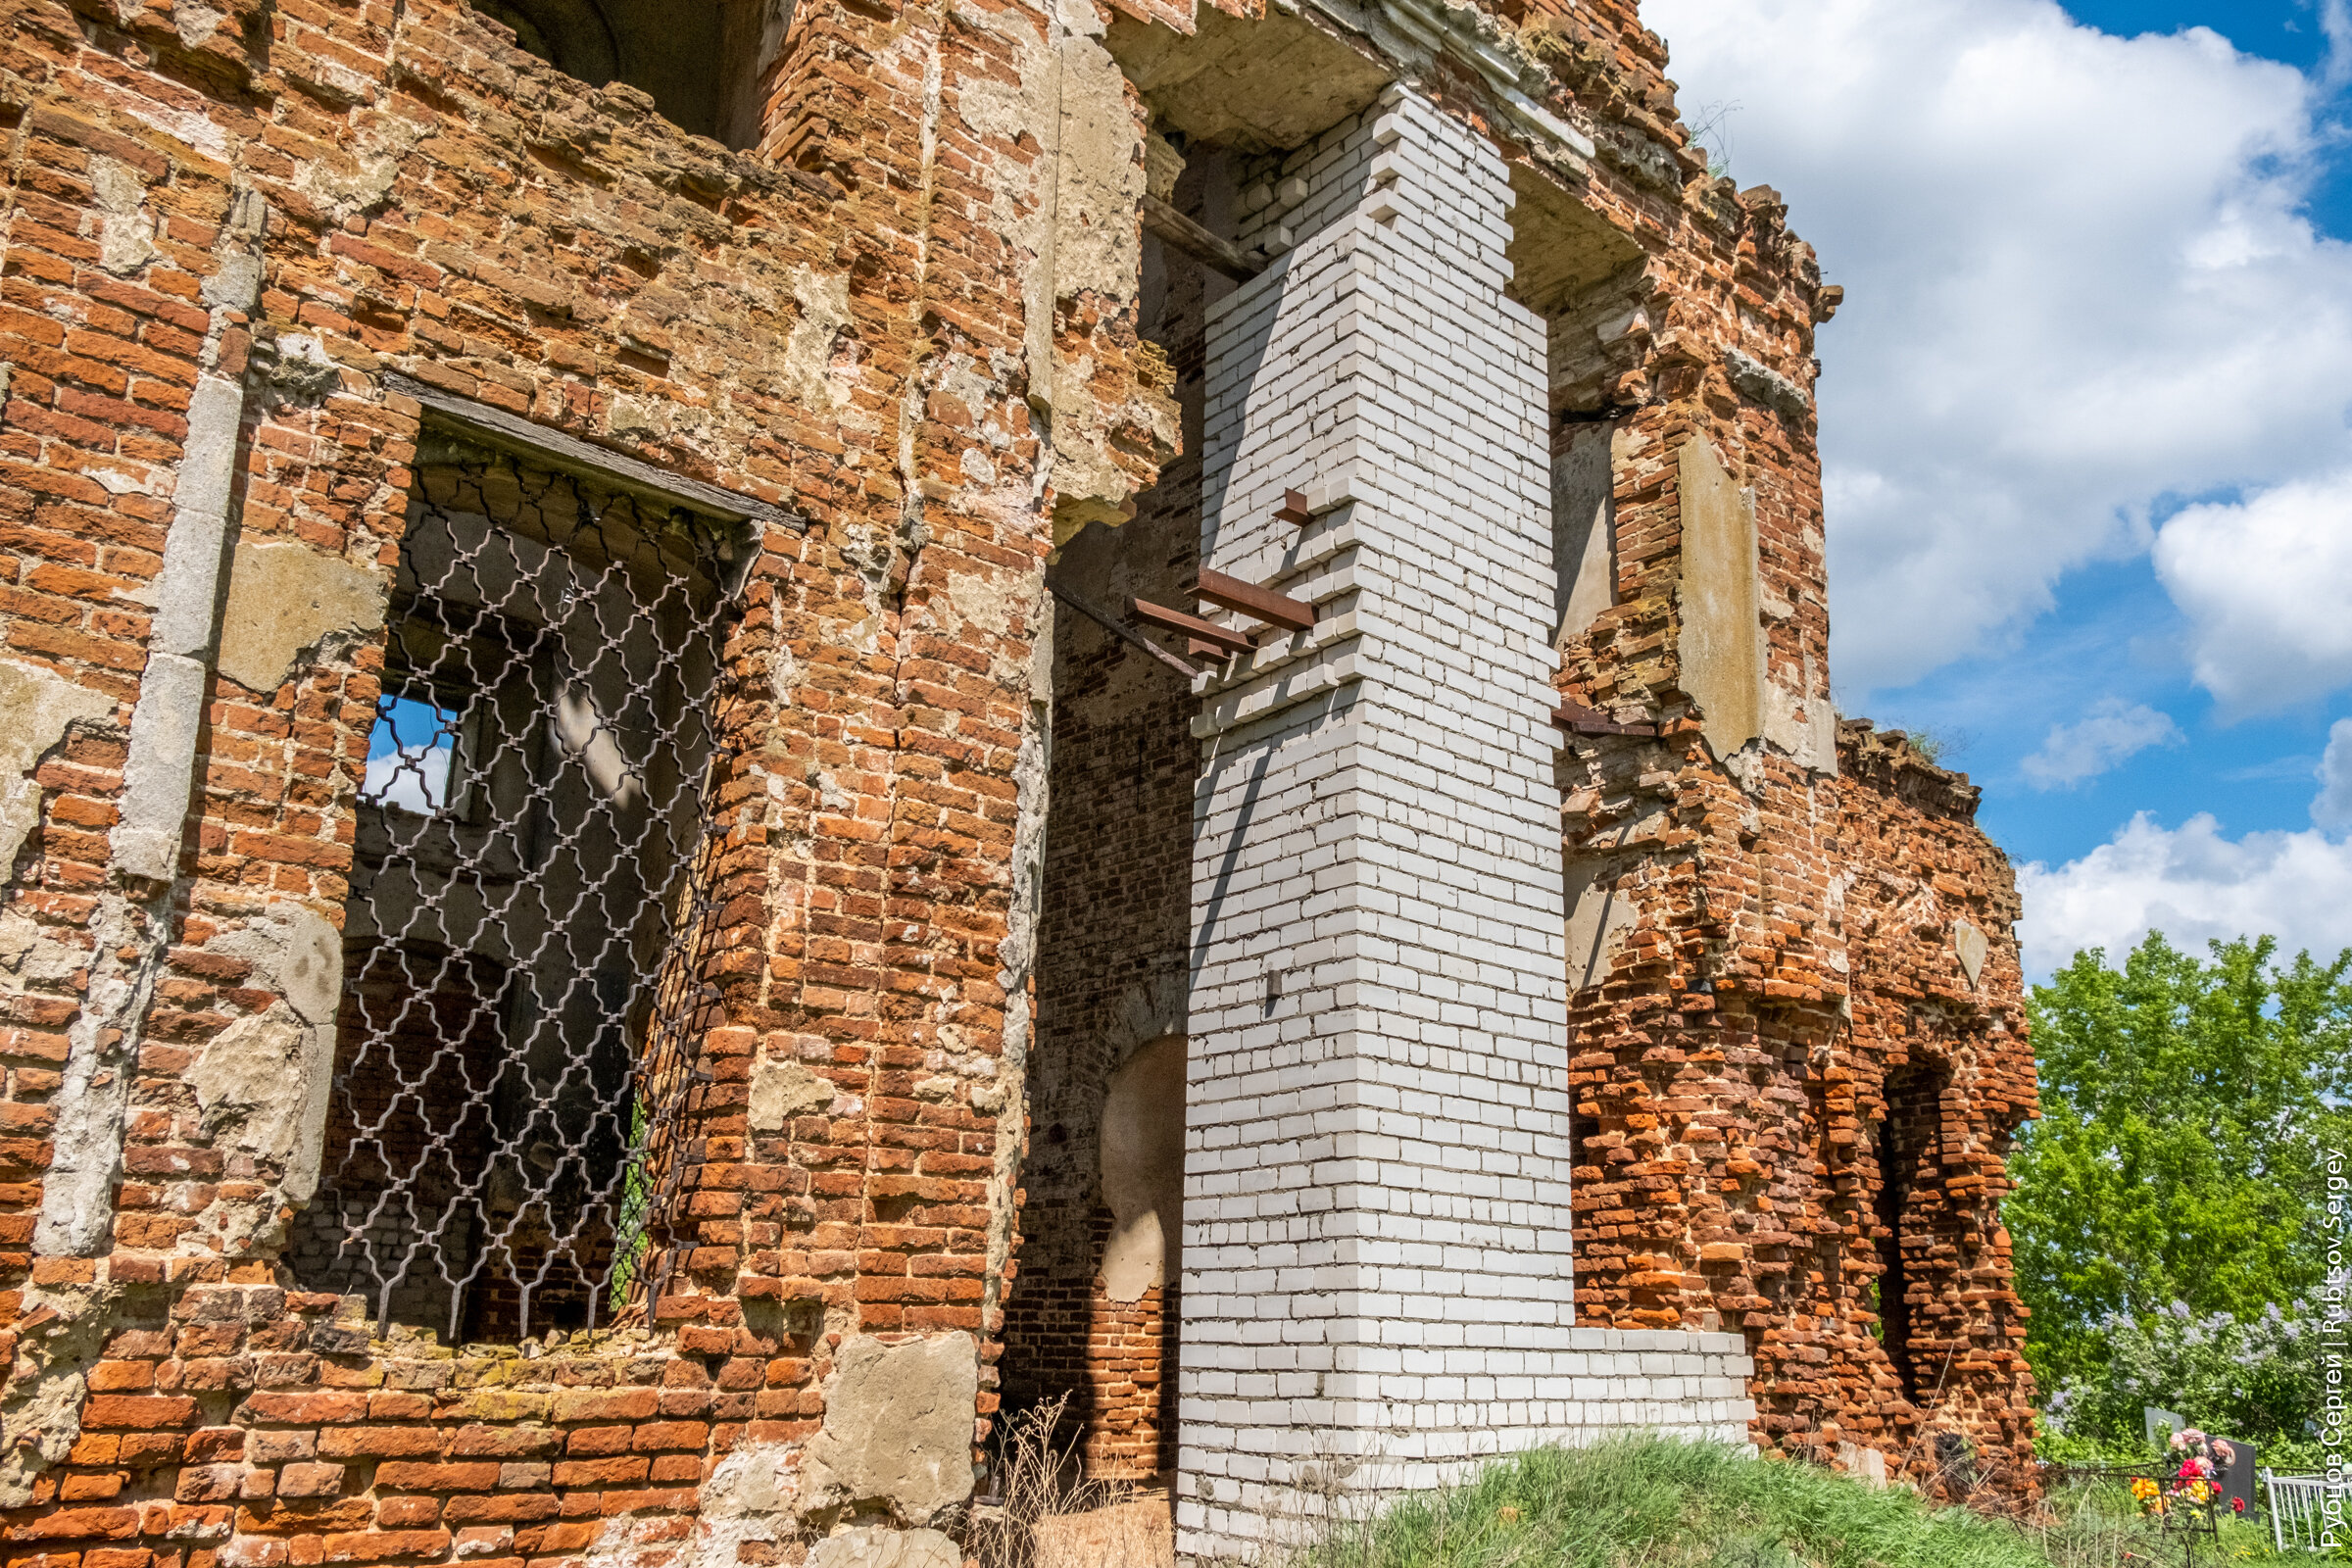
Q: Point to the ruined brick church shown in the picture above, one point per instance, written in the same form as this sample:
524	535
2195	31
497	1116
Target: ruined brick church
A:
737	733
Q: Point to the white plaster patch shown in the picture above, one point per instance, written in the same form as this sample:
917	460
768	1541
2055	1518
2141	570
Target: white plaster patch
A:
898	1426
1600	918
196	22
870	1547
262	1084
781	1090
29	956
1803	724
36	706
284	598
1970	944
1719	643
295	952
808	372
1583	518
126	233
182	126
360	179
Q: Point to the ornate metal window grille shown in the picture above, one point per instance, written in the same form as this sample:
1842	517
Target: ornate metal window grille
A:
531	905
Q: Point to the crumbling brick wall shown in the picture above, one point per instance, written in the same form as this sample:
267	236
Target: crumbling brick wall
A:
223	227
909	318
1115	939
1110	981
1827	1175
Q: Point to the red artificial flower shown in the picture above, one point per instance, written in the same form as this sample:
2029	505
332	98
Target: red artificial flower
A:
2237	1506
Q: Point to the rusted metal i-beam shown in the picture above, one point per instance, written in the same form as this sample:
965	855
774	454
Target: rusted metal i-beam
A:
1260	604
1207	631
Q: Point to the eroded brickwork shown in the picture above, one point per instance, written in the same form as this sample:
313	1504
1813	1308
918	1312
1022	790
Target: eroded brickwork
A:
411	191
915	331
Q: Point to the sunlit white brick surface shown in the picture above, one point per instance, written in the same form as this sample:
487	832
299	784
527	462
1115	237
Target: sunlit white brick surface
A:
1376	1259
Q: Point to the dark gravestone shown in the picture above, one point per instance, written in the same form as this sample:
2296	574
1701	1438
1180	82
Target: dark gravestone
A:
2237	1480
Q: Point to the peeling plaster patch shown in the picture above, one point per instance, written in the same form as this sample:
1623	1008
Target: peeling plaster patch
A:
808	350
1803	723
184	126
751	1496
284	598
886	1549
29	956
262	1084
1969	943
36	707
1081	226
296	952
1584	521
1746	767
1142	1169
61	1331
195	22
995	603
1719	644
1600	920
897	1427
359	179
126	235
1016	954
1096	247
782	1090
296	366
636	418
102	1043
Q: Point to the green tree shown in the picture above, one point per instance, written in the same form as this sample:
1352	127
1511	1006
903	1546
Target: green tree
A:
2185	1106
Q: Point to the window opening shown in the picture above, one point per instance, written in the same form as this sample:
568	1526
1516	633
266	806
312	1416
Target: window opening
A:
531	905
412	753
702	61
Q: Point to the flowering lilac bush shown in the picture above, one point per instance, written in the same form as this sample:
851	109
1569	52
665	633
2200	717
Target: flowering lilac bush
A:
2257	1379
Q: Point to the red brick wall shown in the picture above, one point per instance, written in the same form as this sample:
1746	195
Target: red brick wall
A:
1114	947
445	205
841	325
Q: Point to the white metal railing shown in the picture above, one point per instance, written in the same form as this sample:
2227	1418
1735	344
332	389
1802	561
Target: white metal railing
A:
2298	1506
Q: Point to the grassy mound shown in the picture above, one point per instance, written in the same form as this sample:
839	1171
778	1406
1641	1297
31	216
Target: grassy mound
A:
1652	1503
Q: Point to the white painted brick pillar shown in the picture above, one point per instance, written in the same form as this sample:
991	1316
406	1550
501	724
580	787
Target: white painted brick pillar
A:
1376	1243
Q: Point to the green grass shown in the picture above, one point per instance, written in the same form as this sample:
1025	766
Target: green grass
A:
1649	1502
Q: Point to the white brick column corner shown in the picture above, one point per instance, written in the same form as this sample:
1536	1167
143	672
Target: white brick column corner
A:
1377	1258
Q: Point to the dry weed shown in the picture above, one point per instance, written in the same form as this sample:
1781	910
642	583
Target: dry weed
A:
1043	1512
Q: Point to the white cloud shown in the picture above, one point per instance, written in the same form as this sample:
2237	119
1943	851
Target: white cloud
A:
415	778
2193	884
2331	807
2112	731
2264	584
2078	283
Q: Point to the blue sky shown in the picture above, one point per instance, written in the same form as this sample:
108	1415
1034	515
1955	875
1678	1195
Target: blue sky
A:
2113	629
2087	421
